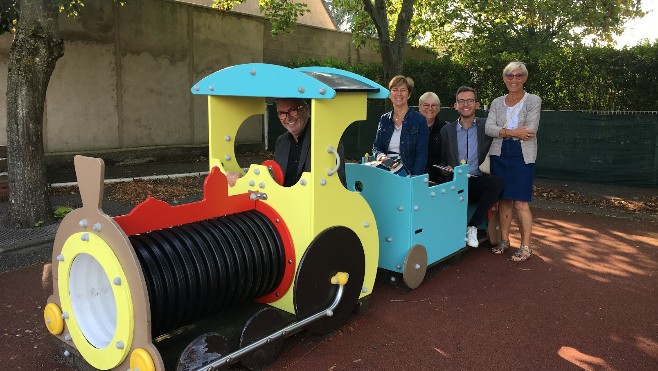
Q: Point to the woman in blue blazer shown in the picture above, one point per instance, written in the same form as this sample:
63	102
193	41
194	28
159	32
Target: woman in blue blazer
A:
402	133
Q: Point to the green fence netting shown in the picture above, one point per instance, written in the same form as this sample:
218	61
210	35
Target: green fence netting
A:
599	147
593	147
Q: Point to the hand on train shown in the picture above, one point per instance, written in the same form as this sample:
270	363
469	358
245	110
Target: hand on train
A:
232	176
446	169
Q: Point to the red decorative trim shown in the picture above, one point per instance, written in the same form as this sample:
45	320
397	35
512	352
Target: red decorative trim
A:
153	214
275	169
289	250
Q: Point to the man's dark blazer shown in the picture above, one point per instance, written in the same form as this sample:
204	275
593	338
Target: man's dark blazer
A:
282	151
449	149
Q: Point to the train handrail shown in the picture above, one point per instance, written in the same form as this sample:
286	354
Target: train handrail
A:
333	171
339	279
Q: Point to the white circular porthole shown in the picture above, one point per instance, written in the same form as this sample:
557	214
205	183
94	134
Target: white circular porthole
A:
99	313
92	300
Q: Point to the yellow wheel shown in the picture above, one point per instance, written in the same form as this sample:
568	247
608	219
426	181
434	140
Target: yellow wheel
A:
340	278
141	360
52	315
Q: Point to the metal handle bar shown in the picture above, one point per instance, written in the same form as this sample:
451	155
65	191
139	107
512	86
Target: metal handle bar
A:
333	171
339	279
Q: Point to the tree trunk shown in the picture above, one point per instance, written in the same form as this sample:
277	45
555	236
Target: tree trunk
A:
34	52
392	51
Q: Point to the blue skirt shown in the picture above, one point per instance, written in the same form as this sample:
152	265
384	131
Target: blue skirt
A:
517	175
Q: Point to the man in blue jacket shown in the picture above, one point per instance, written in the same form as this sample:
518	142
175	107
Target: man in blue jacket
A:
464	142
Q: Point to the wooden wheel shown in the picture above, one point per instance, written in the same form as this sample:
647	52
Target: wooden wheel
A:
415	266
493	226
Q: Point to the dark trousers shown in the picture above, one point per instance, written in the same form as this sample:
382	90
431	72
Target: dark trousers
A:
483	190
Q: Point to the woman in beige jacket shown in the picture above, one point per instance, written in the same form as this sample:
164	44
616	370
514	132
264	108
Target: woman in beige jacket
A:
513	122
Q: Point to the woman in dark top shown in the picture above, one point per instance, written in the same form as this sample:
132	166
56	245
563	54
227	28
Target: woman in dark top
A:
429	106
402	133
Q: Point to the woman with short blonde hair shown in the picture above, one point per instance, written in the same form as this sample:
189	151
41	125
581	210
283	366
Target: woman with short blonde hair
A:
513	122
402	133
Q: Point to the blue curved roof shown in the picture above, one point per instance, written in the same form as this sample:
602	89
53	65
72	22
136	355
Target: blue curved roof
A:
269	80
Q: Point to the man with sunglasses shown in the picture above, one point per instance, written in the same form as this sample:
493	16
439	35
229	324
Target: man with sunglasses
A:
292	150
464	142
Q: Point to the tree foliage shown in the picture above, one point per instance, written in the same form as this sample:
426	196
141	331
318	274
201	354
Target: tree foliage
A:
10	11
283	14
468	28
353	17
472	31
8	16
598	78
341	14
471	27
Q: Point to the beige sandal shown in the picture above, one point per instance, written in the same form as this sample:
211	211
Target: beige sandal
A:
522	255
501	247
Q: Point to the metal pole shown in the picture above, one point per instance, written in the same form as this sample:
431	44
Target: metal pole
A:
226	360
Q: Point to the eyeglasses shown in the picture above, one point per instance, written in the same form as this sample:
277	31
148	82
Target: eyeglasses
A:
465	101
428	106
517	76
399	90
293	112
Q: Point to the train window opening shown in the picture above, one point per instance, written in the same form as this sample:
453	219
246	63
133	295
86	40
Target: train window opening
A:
460	191
418	231
249	140
358	186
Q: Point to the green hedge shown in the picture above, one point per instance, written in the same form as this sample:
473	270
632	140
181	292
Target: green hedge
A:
581	78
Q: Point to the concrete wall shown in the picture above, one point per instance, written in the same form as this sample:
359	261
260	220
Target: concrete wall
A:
124	80
317	15
312	42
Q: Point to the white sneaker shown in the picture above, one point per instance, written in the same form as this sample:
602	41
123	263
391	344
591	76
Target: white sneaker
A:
472	237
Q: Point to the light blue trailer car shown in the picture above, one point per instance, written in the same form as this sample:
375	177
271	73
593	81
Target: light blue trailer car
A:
419	224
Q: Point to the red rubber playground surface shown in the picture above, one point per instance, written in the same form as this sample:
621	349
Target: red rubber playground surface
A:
587	300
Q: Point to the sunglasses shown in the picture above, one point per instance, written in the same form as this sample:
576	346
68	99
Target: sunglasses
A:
511	76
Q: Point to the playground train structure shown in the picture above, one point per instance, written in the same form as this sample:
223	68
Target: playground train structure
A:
203	285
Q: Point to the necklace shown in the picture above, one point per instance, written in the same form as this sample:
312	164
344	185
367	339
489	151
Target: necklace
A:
398	119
